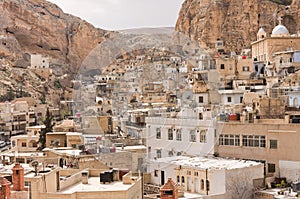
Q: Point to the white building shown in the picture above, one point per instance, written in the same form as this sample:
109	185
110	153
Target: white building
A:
209	176
37	61
180	133
231	97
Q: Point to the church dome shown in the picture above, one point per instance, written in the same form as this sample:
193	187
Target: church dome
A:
280	30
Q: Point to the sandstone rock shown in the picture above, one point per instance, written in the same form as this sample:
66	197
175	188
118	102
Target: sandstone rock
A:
236	22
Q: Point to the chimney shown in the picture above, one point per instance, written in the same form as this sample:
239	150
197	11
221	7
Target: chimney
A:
4	188
84	177
18	177
169	190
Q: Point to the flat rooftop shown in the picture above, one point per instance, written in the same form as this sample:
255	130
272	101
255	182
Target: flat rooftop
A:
95	185
7	169
22	154
207	162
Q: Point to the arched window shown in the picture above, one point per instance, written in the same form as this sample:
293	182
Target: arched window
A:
295	102
182	179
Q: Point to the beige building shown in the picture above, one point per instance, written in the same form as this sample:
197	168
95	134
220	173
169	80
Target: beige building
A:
29	142
15	117
265	140
64	139
96	124
280	40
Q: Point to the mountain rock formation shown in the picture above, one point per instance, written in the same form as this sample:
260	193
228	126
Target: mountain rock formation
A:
38	26
236	22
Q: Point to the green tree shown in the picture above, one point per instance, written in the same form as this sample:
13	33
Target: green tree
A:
48	128
43	98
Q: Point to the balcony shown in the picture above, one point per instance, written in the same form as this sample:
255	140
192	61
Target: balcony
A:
136	125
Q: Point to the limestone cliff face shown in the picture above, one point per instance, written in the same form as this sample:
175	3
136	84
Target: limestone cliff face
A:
236	22
38	26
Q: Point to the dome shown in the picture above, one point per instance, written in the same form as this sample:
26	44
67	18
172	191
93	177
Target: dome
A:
261	31
280	30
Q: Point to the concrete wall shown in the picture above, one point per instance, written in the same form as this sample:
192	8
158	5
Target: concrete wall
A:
156	167
290	170
43	184
239	182
95	125
75	178
121	160
53	136
19	195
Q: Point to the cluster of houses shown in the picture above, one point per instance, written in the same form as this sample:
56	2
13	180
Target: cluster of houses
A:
156	124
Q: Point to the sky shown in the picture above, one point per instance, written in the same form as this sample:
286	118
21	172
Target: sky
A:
124	14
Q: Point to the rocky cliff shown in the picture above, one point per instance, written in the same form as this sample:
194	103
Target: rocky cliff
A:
38	26
236	22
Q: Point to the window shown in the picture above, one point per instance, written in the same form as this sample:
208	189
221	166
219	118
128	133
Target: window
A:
189	173
178	135
222	66
271	168
34	144
236	140
23	144
155	173
254	141
273	144
170	153
202	184
263	141
178	179
178	153
245	140
182	179
158	133
229	140
241	99
203	136
192	136
158	153
219	43
200	99
195	173
228	99
245	68
170	134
